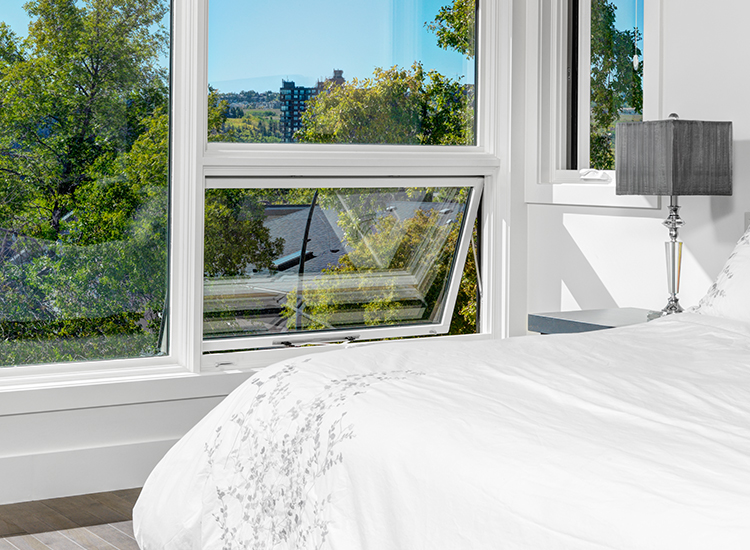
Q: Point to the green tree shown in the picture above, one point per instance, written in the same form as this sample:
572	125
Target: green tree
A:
103	299
455	27
64	92
234	235
83	101
395	106
218	113
378	291
615	84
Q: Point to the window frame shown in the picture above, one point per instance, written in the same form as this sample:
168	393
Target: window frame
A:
546	55
294	160
193	160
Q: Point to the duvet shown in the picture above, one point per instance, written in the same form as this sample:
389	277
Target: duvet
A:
632	438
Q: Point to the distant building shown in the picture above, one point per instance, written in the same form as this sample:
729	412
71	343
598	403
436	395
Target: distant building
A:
293	103
337	80
293	99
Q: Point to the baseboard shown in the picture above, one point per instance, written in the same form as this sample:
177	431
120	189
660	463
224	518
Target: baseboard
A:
79	471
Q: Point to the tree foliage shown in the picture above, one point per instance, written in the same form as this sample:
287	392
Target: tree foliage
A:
615	84
83	181
66	91
379	284
218	113
395	106
455	27
234	236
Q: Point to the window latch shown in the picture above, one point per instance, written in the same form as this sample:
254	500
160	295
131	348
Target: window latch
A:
295	343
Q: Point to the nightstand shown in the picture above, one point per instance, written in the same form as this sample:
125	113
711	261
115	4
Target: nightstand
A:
586	320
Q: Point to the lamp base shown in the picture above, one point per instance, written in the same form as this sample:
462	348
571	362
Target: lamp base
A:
673	306
673	249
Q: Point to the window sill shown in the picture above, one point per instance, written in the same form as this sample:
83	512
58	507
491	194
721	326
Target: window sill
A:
39	393
32	392
586	194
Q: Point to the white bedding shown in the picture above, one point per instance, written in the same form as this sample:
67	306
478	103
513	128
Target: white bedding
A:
632	438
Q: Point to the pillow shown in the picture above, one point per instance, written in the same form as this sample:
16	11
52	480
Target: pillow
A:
729	296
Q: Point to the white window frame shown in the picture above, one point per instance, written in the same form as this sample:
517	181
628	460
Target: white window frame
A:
546	57
99	383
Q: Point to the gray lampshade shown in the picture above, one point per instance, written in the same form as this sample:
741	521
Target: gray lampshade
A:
674	157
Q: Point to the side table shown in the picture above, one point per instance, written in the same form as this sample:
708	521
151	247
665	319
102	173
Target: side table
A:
586	320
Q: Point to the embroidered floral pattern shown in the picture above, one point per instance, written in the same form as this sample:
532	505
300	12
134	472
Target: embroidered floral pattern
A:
729	295
267	459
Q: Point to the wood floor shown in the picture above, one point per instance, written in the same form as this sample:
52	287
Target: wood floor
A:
100	521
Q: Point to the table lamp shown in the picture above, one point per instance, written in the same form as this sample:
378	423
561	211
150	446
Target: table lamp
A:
673	157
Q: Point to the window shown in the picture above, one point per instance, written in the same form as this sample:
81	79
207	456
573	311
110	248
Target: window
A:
134	231
285	264
407	76
84	187
611	70
592	65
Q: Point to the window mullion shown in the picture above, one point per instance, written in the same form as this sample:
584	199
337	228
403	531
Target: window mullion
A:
188	146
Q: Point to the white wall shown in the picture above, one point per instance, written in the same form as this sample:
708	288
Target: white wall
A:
61	453
588	257
77	439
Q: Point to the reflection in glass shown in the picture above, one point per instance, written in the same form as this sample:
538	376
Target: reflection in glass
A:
299	260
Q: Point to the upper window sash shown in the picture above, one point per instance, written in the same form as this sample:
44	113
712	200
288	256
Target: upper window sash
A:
408	77
223	158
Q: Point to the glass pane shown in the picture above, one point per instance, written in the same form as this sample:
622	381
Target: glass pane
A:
616	74
84	155
384	71
298	260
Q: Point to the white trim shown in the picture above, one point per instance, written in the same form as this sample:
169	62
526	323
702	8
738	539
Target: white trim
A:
235	362
584	88
339	181
545	46
188	127
39	476
30	395
346	160
495	34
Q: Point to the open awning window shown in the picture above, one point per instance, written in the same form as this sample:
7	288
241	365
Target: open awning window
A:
290	263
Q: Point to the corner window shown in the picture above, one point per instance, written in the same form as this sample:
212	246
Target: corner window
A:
92	135
587	65
84	187
382	72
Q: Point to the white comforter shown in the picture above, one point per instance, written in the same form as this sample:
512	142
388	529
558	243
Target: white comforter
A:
634	438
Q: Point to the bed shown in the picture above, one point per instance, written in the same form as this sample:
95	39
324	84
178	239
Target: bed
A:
630	438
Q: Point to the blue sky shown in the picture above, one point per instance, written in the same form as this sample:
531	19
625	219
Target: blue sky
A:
254	44
14	15
306	39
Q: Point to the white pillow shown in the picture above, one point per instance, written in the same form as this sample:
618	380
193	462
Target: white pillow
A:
729	296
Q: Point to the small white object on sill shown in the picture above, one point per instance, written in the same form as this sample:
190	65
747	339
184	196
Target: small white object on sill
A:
589	174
